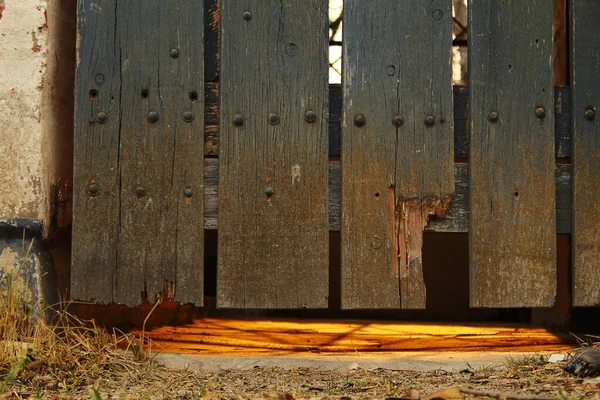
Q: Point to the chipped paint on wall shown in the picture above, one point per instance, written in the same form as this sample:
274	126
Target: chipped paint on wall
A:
23	34
20	270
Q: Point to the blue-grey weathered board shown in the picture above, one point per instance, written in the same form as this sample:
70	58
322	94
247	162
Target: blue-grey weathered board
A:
585	85
512	184
397	146
273	226
138	185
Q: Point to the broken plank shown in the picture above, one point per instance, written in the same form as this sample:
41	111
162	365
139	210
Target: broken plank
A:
273	228
455	221
512	188
397	150
585	86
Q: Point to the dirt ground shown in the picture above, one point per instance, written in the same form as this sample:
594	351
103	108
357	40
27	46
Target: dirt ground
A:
532	377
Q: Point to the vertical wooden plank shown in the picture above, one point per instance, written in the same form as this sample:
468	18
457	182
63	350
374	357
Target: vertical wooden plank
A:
512	186
96	193
585	86
397	148
155	220
273	226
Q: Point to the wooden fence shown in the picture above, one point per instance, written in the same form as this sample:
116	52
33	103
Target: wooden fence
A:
387	155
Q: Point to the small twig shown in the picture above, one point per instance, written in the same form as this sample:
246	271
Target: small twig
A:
503	396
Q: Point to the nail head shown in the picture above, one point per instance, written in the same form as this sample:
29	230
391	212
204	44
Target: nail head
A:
188	116
140	191
101	117
493	116
238	120
93	189
174	53
269	191
540	112
430	120
310	116
590	114
188	192
273	119
360	120
397	121
153	116
247	15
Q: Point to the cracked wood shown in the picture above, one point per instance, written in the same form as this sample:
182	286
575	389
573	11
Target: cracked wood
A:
395	173
512	228
136	235
273	226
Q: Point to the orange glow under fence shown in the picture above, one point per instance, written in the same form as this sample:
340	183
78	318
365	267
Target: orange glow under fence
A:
238	337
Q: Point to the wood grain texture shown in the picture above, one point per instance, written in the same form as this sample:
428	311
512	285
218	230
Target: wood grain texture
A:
585	84
455	221
396	62
461	144
273	250
512	172
140	237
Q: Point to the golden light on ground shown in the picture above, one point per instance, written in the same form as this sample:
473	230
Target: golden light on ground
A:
237	337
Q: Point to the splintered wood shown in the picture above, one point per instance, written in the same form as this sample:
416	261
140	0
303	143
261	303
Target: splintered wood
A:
398	164
408	221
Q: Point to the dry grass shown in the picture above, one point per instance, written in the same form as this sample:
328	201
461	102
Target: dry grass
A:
61	356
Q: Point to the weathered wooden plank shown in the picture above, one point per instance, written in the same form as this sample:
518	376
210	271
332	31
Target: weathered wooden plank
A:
585	84
154	220
512	183
455	221
96	194
273	228
398	145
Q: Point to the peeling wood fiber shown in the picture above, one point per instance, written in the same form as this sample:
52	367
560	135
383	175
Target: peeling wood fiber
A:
397	166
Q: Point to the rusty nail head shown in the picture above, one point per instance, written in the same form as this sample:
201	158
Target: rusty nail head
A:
188	192
153	116
590	113
247	15
269	191
430	120
310	116
397	121
493	116
238	120
540	112
174	53
93	189
101	117
140	191
360	120
188	116
273	119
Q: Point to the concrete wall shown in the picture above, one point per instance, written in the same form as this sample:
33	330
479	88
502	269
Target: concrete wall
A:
37	48
23	37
